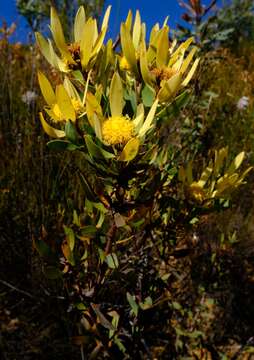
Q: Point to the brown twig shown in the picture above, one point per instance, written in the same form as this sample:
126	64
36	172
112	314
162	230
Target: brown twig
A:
16	289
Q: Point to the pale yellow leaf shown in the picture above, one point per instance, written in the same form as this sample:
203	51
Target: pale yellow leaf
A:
55	133
64	103
46	89
79	23
190	73
136	30
130	150
128	48
116	95
149	119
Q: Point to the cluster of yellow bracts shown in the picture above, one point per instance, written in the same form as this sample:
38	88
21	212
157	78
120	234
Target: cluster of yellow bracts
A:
94	70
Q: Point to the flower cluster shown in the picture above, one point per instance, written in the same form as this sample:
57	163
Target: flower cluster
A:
103	90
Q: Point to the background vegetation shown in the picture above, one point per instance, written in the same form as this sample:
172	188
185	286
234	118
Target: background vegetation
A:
201	286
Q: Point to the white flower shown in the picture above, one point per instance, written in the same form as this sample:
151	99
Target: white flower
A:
243	103
29	97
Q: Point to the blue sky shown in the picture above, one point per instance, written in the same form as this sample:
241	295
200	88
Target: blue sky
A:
152	11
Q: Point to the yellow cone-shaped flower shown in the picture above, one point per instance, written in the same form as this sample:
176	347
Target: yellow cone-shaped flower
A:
119	129
216	180
162	67
60	105
164	70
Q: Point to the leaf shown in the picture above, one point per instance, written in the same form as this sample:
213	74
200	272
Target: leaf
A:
58	145
181	49
188	60
219	158
139	119
106	18
128	48
99	42
57	33
46	89
136	30
148	95
191	73
119	220
162	48
112	261
147	303
205	176
42	248
71	90
128	21
64	103
116	95
132	97
79	23
115	322
96	151
88	230
102	319
55	133
149	119
52	272
78	76
44	48
68	254
130	150
87	188
71	132
170	87
70	236
87	41
236	163
132	303
146	74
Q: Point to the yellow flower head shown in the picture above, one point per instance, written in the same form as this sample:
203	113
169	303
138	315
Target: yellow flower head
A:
117	130
196	192
77	105
85	48
124	65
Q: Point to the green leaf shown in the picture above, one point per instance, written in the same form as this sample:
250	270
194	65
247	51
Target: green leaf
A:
130	150
71	132
58	145
87	188
132	303
78	76
88	230
147	303
52	272
130	96
96	151
148	95
70	237
112	261
43	249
